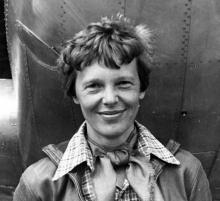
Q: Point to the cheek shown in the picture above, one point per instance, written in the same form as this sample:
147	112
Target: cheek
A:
131	99
88	104
87	110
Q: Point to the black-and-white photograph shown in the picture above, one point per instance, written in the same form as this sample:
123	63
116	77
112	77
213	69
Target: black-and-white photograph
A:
110	100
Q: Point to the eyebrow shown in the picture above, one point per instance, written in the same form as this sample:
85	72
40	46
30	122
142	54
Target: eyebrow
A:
126	77
90	81
100	80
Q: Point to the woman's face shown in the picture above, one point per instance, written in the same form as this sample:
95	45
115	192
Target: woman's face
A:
109	100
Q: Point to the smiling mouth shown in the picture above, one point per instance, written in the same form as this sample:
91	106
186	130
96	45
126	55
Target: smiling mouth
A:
112	113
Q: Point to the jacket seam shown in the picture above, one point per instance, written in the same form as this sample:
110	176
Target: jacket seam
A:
53	153
195	181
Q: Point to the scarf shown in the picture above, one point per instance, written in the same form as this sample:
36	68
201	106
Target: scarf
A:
114	165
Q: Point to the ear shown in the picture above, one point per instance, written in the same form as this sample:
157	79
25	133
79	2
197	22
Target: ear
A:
75	100
141	95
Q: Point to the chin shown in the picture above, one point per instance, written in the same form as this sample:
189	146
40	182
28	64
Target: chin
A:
113	130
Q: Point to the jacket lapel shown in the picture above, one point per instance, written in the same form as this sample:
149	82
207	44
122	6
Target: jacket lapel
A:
55	154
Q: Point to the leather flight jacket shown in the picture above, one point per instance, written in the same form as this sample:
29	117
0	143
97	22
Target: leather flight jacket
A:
186	182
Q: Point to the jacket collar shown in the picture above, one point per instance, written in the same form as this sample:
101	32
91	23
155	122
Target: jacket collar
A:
78	151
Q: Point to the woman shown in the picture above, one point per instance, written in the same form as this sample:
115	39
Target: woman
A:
112	156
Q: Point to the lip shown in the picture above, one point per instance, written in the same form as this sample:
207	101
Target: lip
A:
111	112
111	115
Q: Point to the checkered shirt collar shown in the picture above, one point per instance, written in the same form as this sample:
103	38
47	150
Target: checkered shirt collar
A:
148	144
76	153
78	150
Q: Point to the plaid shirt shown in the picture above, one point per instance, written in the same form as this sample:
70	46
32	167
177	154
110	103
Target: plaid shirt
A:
78	152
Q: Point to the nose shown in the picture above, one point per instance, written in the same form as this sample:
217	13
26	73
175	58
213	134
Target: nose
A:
110	96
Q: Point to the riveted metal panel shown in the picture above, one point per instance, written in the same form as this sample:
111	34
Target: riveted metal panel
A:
200	126
201	95
164	96
57	21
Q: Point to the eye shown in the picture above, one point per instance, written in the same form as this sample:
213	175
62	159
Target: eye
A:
125	84
93	87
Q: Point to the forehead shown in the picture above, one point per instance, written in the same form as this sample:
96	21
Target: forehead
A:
99	71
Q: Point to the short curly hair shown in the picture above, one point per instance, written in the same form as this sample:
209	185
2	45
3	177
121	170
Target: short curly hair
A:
113	42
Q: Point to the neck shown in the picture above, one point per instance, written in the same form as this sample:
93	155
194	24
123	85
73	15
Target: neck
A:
109	142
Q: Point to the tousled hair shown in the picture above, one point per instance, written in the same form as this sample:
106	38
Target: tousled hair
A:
112	42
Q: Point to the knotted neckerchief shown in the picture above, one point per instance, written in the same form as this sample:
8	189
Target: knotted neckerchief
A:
113	166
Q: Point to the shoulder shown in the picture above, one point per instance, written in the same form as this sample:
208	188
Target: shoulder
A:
188	170
36	181
44	169
195	178
188	161
39	174
41	170
188	178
